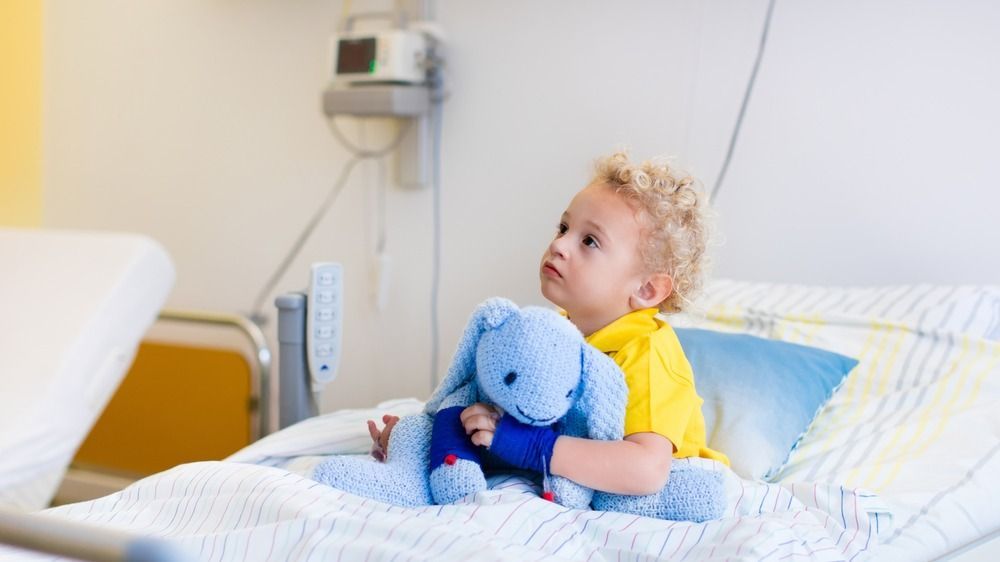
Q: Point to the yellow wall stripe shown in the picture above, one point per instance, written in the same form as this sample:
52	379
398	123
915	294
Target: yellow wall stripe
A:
21	113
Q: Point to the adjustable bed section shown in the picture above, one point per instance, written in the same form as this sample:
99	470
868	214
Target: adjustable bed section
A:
74	306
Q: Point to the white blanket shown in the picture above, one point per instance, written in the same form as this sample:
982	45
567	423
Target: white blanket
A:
239	511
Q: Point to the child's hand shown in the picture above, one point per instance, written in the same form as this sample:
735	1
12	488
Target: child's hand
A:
380	445
480	422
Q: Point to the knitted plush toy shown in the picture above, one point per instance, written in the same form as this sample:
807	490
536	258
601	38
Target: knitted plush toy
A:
535	366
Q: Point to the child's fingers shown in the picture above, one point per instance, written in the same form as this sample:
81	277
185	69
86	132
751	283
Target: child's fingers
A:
479	422
386	418
482	438
478	409
473	410
384	438
373	431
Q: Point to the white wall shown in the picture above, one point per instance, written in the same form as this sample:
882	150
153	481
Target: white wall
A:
868	153
197	122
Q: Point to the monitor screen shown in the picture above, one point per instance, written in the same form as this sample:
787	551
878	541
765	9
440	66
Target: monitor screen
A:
356	56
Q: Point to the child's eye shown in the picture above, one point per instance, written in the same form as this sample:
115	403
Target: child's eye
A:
562	228
590	242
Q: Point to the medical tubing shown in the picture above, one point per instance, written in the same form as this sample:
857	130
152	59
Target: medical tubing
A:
523	446
380	195
345	173
359	154
743	105
436	124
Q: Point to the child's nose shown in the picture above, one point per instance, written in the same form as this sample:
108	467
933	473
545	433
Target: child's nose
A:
558	247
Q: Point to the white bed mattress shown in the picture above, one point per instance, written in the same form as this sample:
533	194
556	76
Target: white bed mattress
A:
897	467
74	306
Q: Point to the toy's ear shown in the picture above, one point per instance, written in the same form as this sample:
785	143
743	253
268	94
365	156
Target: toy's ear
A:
496	311
487	316
603	395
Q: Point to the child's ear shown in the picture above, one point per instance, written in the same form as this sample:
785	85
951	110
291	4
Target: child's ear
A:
654	290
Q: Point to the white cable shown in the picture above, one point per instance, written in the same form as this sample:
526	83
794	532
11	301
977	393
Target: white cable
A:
381	196
436	124
257	314
382	262
359	154
362	152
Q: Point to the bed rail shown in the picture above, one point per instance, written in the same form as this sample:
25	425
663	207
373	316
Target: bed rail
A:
55	535
262	353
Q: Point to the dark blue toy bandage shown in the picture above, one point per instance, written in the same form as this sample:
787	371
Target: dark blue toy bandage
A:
523	446
448	438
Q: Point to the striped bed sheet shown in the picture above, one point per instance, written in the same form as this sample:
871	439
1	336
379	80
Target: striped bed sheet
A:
233	511
917	422
894	468
261	505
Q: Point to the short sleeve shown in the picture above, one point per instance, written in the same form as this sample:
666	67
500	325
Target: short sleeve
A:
662	398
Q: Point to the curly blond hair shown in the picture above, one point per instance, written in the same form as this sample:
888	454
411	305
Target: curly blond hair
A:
675	229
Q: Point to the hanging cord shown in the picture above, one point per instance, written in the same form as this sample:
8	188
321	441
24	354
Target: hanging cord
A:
257	314
438	97
380	192
359	154
743	106
362	152
381	196
436	271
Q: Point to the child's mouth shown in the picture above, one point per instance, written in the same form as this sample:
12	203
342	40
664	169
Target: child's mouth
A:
551	271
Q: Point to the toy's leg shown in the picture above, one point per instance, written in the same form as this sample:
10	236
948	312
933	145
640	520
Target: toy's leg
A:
402	480
455	469
450	483
570	494
691	494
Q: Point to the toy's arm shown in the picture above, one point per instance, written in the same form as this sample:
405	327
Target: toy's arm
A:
639	464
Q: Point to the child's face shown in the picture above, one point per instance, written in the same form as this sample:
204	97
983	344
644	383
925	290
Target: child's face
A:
593	266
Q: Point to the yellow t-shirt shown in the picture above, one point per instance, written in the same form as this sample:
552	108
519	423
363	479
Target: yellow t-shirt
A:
661	393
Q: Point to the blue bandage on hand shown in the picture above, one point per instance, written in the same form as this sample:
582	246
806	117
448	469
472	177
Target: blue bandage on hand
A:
449	441
522	445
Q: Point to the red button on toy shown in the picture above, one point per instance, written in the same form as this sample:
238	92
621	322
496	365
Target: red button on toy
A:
450	460
548	495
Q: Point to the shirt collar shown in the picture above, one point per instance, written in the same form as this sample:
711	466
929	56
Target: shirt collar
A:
612	337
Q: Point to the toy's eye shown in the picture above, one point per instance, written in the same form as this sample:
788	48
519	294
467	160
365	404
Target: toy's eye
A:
510	378
570	393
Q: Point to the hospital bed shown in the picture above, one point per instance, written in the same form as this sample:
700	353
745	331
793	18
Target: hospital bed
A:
74	307
897	465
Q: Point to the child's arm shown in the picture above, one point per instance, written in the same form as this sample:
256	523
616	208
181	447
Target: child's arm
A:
638	465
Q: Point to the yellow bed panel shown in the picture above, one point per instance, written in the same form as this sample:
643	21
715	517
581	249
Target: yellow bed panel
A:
177	404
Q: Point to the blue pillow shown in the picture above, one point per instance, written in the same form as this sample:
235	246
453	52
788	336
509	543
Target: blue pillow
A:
760	395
